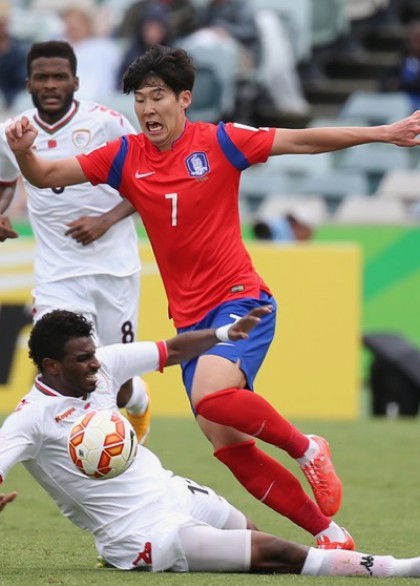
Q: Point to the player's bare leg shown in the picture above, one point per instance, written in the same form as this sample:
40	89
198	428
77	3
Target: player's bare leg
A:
269	553
213	550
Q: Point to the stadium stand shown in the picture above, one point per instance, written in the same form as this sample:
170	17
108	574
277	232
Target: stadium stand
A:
297	18
371	211
375	107
259	181
350	42
402	185
335	186
329	22
374	160
303	165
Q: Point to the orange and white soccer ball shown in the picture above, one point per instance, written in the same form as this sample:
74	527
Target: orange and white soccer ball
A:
102	444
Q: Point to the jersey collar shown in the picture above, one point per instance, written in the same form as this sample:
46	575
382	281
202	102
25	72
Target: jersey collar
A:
45	389
51	128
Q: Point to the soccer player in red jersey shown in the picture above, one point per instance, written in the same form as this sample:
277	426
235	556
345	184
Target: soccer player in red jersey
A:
183	178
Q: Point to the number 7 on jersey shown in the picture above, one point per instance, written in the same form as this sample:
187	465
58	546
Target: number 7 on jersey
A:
174	214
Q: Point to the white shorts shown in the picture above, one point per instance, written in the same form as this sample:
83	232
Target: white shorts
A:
204	504
223	544
202	532
110	303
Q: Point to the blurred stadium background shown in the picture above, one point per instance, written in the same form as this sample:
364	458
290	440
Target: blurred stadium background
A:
359	276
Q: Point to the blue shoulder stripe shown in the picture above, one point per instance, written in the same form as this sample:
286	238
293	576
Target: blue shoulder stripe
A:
114	177
231	152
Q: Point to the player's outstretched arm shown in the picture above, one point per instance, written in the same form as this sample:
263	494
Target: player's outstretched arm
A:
5	499
40	172
87	229
190	344
404	133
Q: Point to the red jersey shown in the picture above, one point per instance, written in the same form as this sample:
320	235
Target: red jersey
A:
188	201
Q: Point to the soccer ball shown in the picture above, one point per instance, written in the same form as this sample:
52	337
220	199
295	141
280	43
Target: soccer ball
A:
102	444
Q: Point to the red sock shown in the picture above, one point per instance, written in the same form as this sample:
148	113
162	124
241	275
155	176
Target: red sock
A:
251	414
272	484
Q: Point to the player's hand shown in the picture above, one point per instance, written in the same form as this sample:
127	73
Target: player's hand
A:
21	134
406	132
6	229
239	330
87	229
5	499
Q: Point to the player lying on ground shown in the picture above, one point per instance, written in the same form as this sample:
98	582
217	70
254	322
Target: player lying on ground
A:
147	518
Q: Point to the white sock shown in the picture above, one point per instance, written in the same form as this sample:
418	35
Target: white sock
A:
311	451
139	399
407	568
340	562
334	532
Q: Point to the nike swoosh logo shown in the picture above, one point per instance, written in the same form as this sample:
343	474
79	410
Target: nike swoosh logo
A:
142	175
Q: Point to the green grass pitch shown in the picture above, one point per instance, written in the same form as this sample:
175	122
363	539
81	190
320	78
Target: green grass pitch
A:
378	461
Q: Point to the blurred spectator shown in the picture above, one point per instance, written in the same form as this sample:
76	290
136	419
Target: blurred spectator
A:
364	10
234	19
406	77
180	13
276	71
12	59
266	54
98	58
151	28
298	225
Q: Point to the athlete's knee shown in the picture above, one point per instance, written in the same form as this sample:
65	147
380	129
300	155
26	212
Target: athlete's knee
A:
209	405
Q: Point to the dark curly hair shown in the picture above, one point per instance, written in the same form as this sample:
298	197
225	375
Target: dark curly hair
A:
51	333
52	49
173	66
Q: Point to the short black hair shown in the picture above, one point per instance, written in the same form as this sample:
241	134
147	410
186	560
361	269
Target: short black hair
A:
51	333
52	49
173	66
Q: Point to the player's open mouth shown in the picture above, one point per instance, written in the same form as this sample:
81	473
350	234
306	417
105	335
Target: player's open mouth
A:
153	127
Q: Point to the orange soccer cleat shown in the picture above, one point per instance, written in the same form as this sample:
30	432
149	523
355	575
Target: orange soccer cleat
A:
324	542
325	484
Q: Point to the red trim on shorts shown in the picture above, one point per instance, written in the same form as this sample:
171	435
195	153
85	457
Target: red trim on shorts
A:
163	354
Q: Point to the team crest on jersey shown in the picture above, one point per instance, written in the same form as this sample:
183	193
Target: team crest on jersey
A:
197	164
81	138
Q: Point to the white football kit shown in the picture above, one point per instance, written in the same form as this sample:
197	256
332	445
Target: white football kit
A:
101	280
140	519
